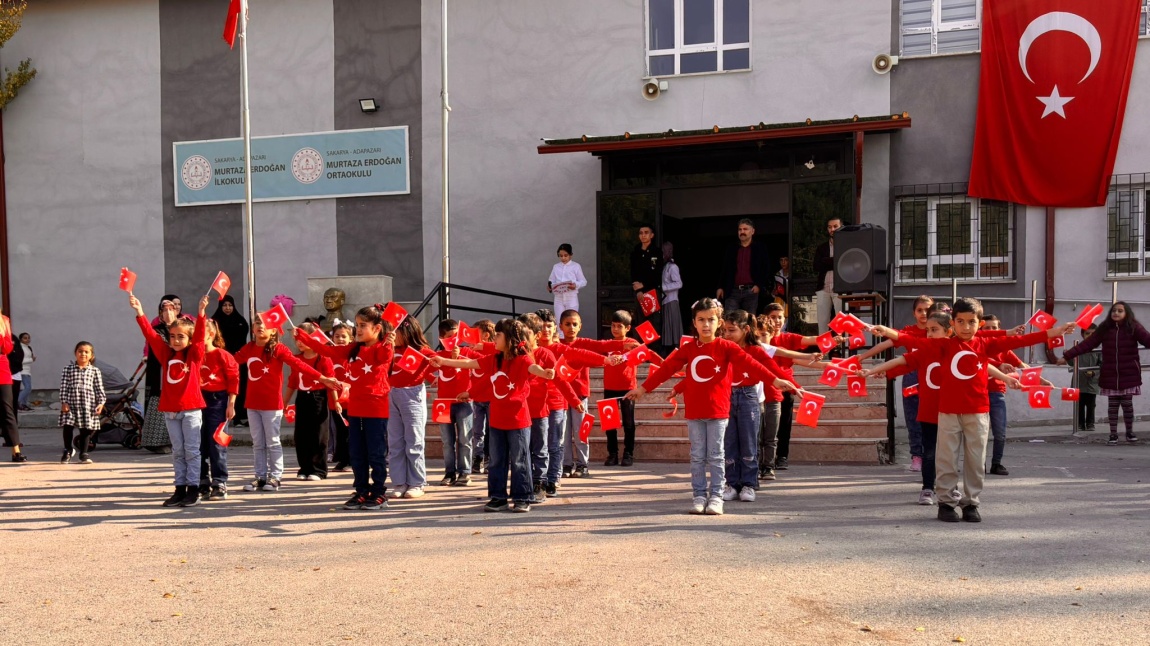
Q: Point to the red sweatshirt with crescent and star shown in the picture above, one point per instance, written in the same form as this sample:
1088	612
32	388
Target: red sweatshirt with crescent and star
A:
367	375
220	372
181	389
707	386
266	374
509	390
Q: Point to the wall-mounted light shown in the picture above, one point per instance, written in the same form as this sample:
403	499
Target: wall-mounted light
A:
368	105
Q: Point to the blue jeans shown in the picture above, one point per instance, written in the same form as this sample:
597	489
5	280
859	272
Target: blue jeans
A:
267	451
509	450
457	440
479	430
575	451
556	434
405	455
910	410
998	426
25	390
538	448
706	456
741	439
184	432
367	449
214	458
929	451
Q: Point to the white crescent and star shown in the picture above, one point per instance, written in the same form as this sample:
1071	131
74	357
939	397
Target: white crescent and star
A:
856	386
1039	396
495	385
1059	21
252	376
929	369
184	372
440	409
958	374
814	407
447	374
649	303
695	368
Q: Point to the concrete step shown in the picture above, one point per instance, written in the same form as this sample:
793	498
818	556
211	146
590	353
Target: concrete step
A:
874	429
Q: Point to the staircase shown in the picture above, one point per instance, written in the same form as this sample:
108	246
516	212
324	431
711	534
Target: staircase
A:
851	430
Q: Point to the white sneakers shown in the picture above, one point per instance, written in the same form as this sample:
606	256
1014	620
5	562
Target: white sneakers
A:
698	503
927	498
396	492
747	494
413	492
715	507
729	493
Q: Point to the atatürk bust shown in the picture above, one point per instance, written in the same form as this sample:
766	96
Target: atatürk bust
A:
333	300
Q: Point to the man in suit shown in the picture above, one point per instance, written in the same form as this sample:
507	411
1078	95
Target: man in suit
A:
828	302
746	272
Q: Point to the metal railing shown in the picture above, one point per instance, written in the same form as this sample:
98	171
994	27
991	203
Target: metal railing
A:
444	306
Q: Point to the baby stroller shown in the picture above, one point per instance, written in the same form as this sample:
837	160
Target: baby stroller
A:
122	420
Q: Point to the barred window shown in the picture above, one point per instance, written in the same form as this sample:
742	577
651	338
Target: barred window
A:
939	26
1126	226
941	234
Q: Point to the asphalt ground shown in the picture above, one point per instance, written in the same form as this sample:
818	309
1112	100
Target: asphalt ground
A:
826	555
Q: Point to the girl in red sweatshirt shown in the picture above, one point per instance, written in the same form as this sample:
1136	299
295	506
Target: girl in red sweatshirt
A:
311	404
707	397
181	401
219	384
368	361
408	410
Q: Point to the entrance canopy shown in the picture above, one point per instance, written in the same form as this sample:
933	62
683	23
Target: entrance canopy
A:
717	135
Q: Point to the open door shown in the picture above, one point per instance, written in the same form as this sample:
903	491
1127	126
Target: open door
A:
620	216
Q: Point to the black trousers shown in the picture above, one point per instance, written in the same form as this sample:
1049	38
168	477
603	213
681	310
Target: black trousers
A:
241	410
17	386
1086	402
8	426
341	439
627	408
784	450
82	441
311	433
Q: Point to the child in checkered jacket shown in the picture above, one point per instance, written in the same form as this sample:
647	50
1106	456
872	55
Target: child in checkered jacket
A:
81	401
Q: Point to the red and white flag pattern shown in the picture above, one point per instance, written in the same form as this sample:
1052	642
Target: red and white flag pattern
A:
1086	318
411	359
826	342
127	279
585	428
1039	396
221	284
810	409
649	301
1042	321
441	411
394	314
610	417
646	332
275	317
856	386
221	435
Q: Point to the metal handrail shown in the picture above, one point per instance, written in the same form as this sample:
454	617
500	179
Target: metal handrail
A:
440	291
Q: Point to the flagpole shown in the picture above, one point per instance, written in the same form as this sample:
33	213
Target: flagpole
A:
249	240
446	165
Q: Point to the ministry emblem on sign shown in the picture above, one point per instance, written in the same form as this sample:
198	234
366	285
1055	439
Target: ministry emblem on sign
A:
307	165
196	172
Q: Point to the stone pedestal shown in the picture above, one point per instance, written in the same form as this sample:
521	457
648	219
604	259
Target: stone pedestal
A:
361	291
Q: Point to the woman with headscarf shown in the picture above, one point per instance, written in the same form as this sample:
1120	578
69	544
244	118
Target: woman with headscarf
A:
234	329
672	283
155	436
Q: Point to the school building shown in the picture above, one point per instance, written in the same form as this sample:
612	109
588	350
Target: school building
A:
765	109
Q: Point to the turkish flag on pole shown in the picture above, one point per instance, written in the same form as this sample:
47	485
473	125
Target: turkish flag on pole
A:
585	428
318	337
564	371
1086	318
910	391
1070	394
411	359
231	25
826	342
441	411
394	314
127	279
832	375
289	414
856	386
275	317
685	340
1055	342
221	436
221	284
468	334
638	356
810	409
1039	396
649	301
1051	99
1031	376
1042	321
449	343
646	332
610	418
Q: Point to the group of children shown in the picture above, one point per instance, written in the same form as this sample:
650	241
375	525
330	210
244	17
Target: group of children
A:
518	395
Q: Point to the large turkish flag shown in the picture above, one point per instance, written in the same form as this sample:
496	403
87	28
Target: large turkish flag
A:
1051	98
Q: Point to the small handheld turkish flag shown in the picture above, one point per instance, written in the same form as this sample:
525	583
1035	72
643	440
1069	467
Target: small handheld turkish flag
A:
1031	376
1042	321
647	332
1070	394
910	391
564	371
856	386
468	334
275	317
127	279
649	301
674	409
857	340
810	409
826	342
1039	396
832	375
231	23
221	435
319	337
394	314
221	284
289	414
411	359
441	411
684	341
638	355
449	343
585	428
850	364
1086	318
610	418
846	324
1055	342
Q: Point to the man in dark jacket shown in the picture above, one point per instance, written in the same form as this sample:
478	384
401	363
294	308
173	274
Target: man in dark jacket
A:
647	273
746	272
827	301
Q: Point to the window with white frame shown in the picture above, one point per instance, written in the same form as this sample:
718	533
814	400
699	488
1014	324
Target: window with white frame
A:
698	36
940	237
1127	252
1142	24
939	26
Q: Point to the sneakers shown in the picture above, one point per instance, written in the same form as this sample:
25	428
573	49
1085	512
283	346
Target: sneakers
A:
85	459
916	463
448	480
313	477
356	501
300	476
698	504
191	498
714	507
747	494
413	492
970	514
551	489
397	492
628	460
521	507
781	463
538	495
19	457
177	497
271	485
1113	441
205	491
1130	437
568	470
948	514
580	472
483	465
999	470
374	503
463	480
612	460
926	497
729	493
218	493
767	474
496	504
255	485
341	466
67	457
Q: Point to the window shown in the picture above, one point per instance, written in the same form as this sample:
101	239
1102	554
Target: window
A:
1142	25
941	236
940	26
698	36
1126	226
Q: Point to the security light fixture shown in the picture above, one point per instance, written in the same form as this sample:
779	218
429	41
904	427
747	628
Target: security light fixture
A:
368	105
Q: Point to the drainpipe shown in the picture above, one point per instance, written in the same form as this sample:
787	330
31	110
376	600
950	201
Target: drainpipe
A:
3	226
1049	286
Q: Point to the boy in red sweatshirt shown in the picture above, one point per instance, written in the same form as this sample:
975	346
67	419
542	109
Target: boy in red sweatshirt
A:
619	379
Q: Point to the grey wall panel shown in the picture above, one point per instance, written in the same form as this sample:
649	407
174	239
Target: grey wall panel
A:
377	55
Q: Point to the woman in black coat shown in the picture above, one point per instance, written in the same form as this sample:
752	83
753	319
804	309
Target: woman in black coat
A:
234	329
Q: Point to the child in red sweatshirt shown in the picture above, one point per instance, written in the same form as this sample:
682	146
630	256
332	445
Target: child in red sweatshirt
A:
406	452
619	378
311	406
220	385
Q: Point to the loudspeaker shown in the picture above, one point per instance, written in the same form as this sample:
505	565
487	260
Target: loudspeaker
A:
860	259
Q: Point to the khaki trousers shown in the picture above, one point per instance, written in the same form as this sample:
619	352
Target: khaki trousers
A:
965	433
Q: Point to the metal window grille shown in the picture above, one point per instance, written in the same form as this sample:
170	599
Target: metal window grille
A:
939	27
941	234
1126	225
